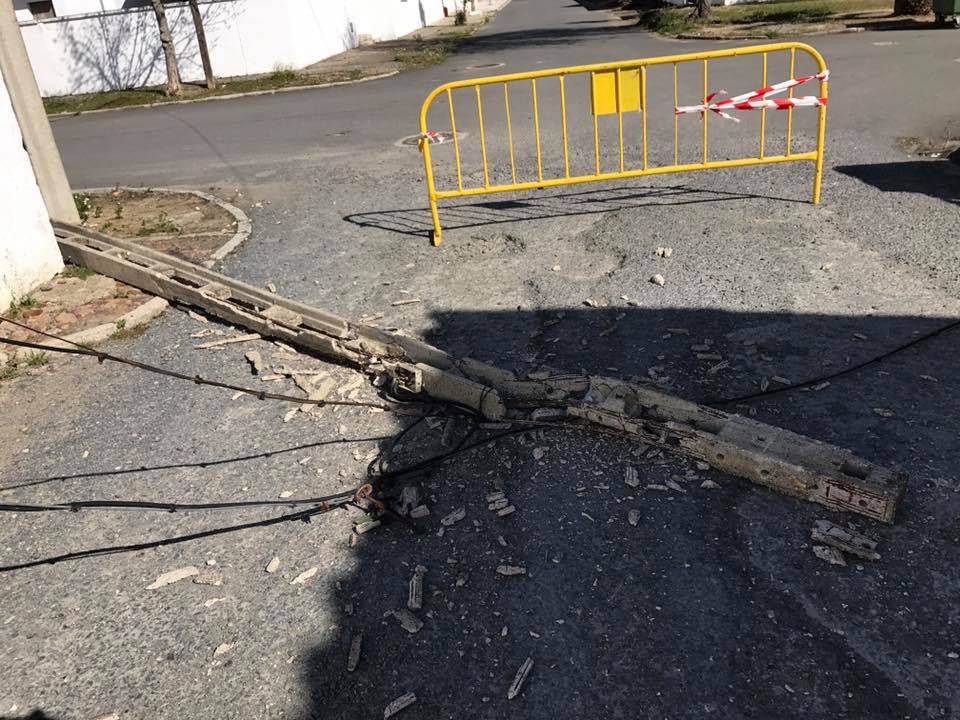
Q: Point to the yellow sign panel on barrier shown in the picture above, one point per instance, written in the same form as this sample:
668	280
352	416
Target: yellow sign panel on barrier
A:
604	97
617	88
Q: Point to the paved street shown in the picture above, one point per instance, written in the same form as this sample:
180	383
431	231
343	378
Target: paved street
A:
712	606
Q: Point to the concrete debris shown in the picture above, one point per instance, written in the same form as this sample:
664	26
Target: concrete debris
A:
256	361
409	499
884	412
168	578
494	496
509	509
197	316
631	477
702	465
713	370
929	378
501	540
664	252
415	588
209	578
399	704
353	659
304	576
519	679
213	601
408	621
271	377
829	554
271	287
285	494
273	565
820	386
658	486
509	570
406	301
709	485
498	504
781	380
673	485
849	541
365	527
591	303
859	336
421	511
546	414
227	341
222	649
288	416
453	517
538	453
633	517
658	280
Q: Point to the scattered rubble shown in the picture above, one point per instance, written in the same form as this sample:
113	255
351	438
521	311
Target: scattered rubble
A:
633	517
453	517
365	526
213	601
256	361
209	578
304	576
421	511
510	570
509	509
227	341
828	533
884	412
222	649
658	279
415	589
408	621
399	704
519	679
829	554
273	565
353	659
168	578
664	252
630	476
709	485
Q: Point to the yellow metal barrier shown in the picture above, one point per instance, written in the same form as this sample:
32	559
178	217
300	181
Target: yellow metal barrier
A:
615	87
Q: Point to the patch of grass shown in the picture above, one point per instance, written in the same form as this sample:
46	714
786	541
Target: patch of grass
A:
37	359
121	323
421	57
77	271
83	204
124	333
162	225
8	371
17	307
283	74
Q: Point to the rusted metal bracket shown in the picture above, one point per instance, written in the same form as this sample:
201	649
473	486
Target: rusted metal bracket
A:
779	459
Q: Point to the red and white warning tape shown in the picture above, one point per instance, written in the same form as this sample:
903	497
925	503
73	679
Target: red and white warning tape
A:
759	99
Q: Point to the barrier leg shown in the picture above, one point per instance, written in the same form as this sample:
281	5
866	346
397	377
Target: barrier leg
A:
435	235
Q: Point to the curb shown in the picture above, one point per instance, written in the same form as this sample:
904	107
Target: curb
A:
140	315
244	226
231	96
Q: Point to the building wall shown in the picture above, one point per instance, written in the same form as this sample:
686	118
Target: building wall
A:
28	250
120	48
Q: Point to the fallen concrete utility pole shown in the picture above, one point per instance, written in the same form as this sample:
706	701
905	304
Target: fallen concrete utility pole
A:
782	460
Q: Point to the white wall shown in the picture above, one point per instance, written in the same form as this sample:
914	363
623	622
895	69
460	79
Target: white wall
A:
28	250
121	49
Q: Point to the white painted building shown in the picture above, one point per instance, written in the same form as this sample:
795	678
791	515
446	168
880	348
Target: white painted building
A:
78	46
28	250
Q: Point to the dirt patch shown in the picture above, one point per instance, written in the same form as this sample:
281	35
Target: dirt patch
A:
181	224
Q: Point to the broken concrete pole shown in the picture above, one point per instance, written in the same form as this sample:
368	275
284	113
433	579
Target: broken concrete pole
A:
519	679
854	543
784	461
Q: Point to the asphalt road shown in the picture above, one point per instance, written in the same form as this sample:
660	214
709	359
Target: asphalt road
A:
712	606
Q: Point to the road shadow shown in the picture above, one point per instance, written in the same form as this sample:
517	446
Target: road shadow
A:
713	604
417	222
937	178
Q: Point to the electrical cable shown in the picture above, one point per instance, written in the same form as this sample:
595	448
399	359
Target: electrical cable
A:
832	376
75	506
196	379
303	515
